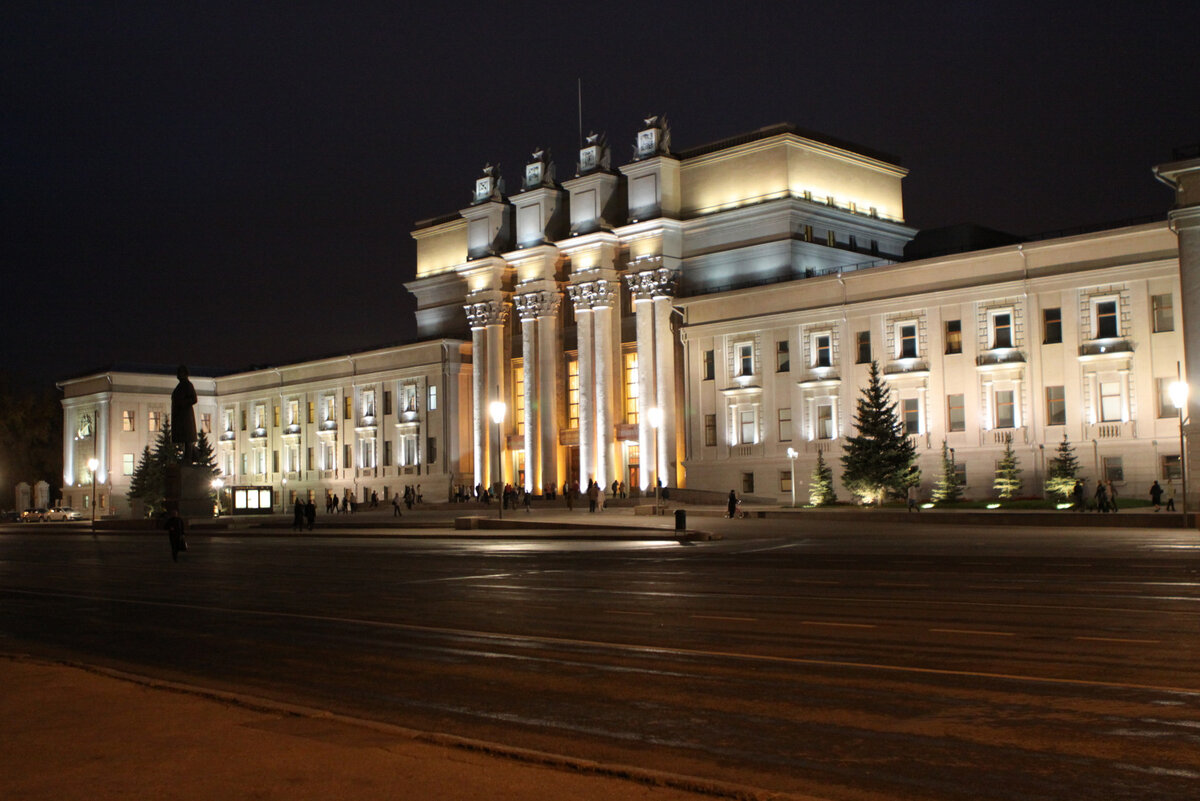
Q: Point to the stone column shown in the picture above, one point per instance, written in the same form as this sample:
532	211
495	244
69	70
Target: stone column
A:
495	392
487	320
664	364
647	398
527	308
102	444
550	348
478	400
603	296
587	389
69	429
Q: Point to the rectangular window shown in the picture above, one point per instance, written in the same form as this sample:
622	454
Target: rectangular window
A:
1114	470
127	420
960	474
709	365
745	359
748	483
153	421
911	410
783	362
954	336
824	421
864	347
260	416
312	412
387	402
308	459
1163	313
1056	406
1166	408
785	480
330	407
822	350
127	464
956	415
1005	410
293	412
245	463
206	422
347	408
368	403
1106	320
785	425
368	452
347	455
631	387
573	393
1051	326
243	420
1002	330
275	417
387	453
430	450
747	431
433	397
906	341
1171	470
1110	401
274	461
710	429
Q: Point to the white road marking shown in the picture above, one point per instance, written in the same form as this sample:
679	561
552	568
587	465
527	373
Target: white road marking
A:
722	617
839	625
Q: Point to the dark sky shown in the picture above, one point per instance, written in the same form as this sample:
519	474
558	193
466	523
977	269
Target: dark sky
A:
234	184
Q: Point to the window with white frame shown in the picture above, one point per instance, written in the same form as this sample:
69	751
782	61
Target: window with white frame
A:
1005	412
433	397
785	480
153	420
291	456
329	408
229	463
408	449
785	425
1114	468
1056	406
127	420
783	360
822	349
127	464
1106	323
1162	313
368	404
368	452
910	409
747	428
956	415
228	414
906	340
743	354
824	421
1110	402
260	416
328	456
408	398
293	412
1000	329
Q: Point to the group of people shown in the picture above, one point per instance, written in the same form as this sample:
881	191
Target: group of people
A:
1105	496
304	513
411	495
1156	496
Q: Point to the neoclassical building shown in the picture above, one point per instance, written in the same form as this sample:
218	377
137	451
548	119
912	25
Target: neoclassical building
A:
704	318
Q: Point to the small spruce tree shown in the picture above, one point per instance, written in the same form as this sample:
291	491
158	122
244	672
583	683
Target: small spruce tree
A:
1008	472
879	458
1062	471
820	488
946	489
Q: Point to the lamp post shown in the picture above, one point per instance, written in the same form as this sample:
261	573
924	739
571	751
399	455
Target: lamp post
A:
93	465
791	454
654	415
1179	397
498	409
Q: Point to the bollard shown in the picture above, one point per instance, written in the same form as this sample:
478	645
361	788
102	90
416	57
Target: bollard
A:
680	520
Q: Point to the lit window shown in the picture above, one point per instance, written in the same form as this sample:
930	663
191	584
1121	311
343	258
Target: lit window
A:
1005	410
631	387
312	411
825	421
1056	406
154	421
433	397
785	480
127	464
1002	330
785	425
573	394
519	400
206	422
822	350
275	417
745	359
1163	313
956	417
954	336
368	403
260	414
748	433
127	420
293	412
864	347
1110	402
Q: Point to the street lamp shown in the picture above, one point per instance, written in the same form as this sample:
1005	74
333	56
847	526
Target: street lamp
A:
654	415
218	484
498	409
93	465
791	454
1178	391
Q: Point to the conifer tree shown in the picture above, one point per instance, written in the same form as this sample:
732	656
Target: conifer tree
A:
820	488
879	459
1062	471
149	480
946	489
1008	472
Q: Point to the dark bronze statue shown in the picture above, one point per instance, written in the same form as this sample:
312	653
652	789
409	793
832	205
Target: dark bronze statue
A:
183	419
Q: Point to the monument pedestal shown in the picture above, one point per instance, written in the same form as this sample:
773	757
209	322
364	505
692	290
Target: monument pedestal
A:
190	486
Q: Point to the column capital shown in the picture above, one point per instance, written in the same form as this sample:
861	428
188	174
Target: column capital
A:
532	305
601	293
655	282
487	312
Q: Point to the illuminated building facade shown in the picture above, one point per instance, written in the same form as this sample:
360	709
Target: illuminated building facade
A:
688	318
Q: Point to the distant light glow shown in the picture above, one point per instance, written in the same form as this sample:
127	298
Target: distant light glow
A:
993	506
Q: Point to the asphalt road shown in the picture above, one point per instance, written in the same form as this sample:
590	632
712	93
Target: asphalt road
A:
851	662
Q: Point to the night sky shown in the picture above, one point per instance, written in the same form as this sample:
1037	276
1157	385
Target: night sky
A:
230	185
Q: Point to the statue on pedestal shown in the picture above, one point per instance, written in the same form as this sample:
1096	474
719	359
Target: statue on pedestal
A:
183	419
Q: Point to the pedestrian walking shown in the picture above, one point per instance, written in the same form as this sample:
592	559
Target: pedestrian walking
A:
912	498
1170	495
1156	493
593	494
527	497
732	505
298	515
1101	497
1077	495
310	513
396	506
175	534
1112	496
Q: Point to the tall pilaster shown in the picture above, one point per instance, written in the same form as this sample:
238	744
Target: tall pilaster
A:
1184	177
587	378
643	308
603	297
103	410
664	368
480	451
550	347
527	310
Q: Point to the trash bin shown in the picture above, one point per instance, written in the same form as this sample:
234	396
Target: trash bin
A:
680	520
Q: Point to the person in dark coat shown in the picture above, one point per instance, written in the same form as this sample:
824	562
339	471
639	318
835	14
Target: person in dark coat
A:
175	533
1077	495
1156	495
1101	497
298	515
733	505
310	513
